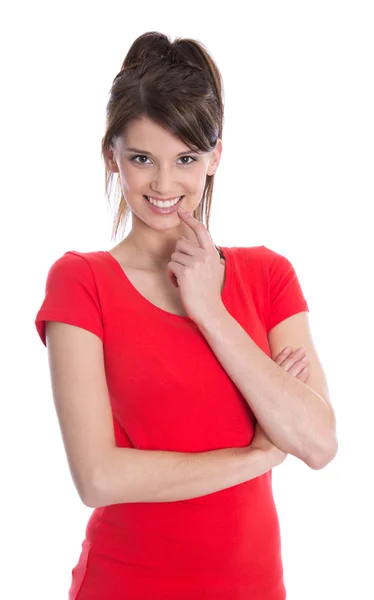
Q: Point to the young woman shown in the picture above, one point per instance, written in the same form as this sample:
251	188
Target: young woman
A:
174	396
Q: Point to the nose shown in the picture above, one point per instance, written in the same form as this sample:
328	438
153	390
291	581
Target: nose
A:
162	183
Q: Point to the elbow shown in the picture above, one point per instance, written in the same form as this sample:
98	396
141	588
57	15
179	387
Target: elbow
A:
91	498
89	493
94	492
320	460
88	500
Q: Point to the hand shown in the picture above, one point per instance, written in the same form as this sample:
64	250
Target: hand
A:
292	362
195	268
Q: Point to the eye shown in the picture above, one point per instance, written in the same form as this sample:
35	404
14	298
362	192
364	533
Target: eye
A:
144	156
138	156
193	159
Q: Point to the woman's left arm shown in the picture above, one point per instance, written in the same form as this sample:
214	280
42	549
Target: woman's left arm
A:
294	415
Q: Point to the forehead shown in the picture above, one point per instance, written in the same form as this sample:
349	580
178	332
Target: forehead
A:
148	135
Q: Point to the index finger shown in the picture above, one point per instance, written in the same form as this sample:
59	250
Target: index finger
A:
197	227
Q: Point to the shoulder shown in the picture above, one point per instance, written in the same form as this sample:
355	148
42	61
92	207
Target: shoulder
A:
267	258
252	257
246	252
277	264
263	262
74	269
76	261
71	293
77	257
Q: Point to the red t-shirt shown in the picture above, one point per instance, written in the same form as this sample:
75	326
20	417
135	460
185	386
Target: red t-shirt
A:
168	391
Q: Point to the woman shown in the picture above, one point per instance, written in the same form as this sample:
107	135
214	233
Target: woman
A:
159	412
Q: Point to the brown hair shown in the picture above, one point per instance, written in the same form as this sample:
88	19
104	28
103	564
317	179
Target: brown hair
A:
178	86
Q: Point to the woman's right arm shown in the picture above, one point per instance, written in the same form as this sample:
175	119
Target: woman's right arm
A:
105	474
131	475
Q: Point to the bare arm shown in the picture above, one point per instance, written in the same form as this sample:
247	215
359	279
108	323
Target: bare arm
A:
297	418
105	474
132	475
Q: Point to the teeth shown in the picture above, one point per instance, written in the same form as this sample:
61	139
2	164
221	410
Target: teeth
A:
161	204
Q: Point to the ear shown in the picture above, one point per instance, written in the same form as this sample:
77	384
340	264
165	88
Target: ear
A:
110	161
215	158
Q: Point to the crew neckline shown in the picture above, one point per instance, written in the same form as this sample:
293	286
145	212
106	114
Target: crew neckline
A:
152	307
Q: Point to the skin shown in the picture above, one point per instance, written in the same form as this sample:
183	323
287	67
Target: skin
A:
160	172
291	361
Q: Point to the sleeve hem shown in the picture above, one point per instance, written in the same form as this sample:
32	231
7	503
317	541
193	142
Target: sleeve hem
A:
286	315
64	317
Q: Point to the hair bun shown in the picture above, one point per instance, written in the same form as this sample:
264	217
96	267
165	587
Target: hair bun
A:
147	47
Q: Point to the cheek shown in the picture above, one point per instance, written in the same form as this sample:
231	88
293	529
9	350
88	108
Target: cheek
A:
201	172
194	181
132	179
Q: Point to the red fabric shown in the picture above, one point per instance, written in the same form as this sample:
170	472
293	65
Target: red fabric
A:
169	392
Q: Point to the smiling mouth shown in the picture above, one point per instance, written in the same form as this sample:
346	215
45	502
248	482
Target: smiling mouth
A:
163	201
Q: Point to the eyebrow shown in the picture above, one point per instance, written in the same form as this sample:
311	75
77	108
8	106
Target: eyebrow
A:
150	153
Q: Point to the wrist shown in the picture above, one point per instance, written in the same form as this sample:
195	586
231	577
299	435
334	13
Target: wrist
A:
266	460
213	319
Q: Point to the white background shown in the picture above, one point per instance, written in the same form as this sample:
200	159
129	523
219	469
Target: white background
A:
296	174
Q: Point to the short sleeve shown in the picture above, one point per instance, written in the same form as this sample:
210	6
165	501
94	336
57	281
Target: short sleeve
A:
285	294
71	296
